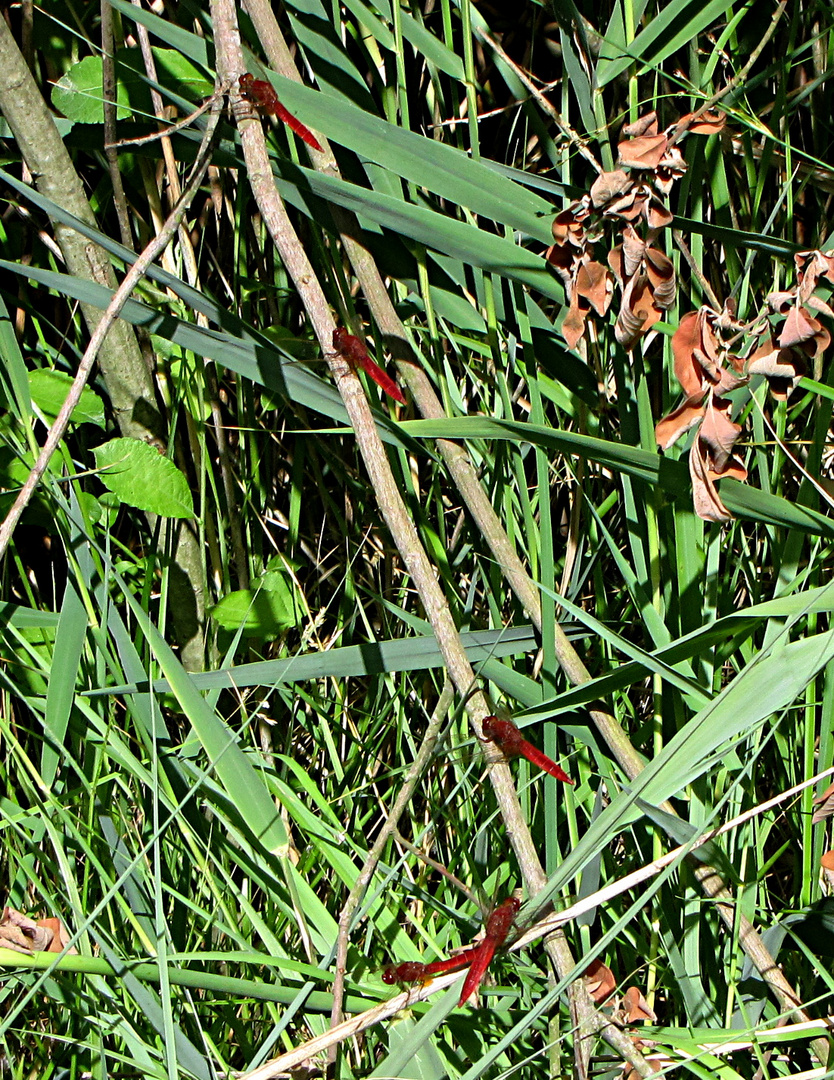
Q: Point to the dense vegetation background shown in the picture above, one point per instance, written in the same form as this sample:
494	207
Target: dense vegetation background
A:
240	608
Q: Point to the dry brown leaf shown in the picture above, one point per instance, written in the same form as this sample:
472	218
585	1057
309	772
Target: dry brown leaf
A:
820	306
810	267
60	936
708	124
19	932
599	980
827	865
573	326
781	300
718	434
644	152
563	259
686	339
568	229
824	804
670	428
643	125
735	469
656	214
630	205
594	282
609	186
633	250
728	380
672	168
661	274
799	326
638	313
636	1007
705	498
774	363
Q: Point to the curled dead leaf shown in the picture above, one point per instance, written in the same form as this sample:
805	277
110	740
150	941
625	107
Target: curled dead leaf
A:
827	866
810	267
661	274
573	326
708	124
636	1007
22	934
642	152
60	935
630	205
820	305
798	327
672	168
677	423
718	434
600	981
656	214
686	339
567	228
779	366
563	258
593	281
825	806
781	300
643	125
609	186
638	313
705	498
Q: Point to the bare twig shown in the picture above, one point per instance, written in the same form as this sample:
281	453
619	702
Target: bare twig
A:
171	129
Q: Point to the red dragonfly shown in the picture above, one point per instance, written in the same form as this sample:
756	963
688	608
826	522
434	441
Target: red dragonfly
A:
512	743
413	971
477	958
498	926
262	95
355	355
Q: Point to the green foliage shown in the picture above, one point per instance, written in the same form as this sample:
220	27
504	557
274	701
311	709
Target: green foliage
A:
140	477
198	833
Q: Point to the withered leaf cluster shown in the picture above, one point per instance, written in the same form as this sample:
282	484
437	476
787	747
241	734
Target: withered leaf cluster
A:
800	336
632	195
707	370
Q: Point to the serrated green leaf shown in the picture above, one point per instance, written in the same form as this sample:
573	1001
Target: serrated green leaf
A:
143	478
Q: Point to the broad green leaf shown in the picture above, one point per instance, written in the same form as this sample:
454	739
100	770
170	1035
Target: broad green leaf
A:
144	478
408	654
78	93
261	612
49	391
